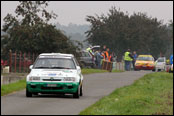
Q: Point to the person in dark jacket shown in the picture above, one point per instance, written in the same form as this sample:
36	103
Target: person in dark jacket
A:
134	59
99	57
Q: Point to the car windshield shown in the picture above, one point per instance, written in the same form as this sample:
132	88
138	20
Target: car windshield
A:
54	63
145	58
85	54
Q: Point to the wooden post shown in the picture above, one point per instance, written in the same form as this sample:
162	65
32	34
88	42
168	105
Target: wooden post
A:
15	62
119	65
20	62
33	59
103	65
24	63
10	60
106	68
28	61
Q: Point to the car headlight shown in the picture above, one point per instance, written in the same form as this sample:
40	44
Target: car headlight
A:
70	79
34	78
137	63
151	64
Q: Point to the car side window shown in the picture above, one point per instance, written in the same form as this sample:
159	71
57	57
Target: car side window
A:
76	62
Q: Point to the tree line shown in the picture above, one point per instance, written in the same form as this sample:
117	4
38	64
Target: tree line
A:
117	30
120	31
30	32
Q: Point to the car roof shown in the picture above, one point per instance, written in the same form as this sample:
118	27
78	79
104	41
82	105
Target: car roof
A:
56	55
96	46
144	55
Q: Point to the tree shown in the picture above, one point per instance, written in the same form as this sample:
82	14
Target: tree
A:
32	33
120	31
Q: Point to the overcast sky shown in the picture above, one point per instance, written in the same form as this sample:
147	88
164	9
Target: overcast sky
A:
76	11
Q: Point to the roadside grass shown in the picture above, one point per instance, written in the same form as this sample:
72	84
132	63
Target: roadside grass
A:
150	95
116	71
12	87
89	71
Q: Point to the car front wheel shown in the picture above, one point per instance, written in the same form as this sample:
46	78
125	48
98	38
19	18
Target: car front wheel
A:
77	94
81	90
28	94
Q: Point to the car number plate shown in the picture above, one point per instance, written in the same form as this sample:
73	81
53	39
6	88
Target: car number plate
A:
51	85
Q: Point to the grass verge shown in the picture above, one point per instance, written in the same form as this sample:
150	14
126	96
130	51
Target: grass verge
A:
150	95
89	71
12	87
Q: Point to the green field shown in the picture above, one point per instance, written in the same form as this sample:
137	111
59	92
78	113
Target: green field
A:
150	95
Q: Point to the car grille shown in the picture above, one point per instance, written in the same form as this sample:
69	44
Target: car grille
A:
52	79
51	88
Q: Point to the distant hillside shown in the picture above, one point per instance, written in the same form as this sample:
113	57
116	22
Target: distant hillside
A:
73	28
75	32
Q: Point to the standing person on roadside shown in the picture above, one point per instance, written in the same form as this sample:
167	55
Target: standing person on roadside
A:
107	54
89	49
171	59
128	59
134	59
104	48
99	57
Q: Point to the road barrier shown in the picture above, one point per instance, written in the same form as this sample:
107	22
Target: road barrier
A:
106	65
12	78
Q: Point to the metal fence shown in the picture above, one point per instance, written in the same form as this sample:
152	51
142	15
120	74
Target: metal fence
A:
18	62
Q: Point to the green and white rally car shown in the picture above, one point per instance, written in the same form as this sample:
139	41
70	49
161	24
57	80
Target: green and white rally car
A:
54	73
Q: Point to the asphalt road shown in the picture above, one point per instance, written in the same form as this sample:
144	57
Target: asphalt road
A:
95	87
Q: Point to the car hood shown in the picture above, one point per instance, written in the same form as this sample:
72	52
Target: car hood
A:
54	73
145	62
160	63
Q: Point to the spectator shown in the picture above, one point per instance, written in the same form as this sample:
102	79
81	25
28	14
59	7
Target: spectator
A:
128	58
134	59
104	48
106	53
171	59
112	57
99	57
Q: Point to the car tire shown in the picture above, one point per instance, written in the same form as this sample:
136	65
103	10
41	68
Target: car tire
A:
81	90
35	93
77	94
28	94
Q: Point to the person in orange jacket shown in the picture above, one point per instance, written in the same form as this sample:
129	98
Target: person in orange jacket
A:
107	54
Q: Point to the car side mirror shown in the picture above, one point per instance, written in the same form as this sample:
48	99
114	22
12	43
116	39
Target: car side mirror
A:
31	66
78	68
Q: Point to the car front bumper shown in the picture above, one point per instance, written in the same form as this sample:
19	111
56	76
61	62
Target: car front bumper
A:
41	87
145	67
